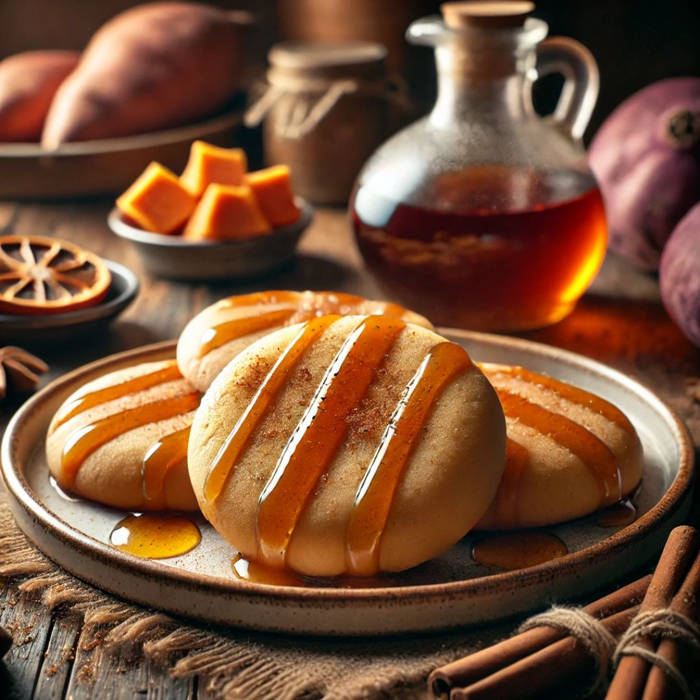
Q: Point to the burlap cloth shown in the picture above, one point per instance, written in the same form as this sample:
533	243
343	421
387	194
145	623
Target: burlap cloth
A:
229	662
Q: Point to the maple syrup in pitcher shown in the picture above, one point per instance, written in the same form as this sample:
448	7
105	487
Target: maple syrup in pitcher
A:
484	214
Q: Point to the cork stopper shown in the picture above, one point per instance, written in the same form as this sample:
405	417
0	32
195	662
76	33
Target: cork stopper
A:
492	14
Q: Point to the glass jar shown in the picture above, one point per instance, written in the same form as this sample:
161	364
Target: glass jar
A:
483	214
326	109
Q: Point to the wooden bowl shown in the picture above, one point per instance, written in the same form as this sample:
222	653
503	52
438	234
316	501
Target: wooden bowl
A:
122	290
178	258
104	166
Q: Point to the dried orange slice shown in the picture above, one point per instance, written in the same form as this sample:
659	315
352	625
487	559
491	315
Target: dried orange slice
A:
41	275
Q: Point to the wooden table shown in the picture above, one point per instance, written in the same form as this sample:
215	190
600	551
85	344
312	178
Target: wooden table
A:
620	322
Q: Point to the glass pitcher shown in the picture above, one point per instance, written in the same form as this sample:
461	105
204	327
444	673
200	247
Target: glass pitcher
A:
483	214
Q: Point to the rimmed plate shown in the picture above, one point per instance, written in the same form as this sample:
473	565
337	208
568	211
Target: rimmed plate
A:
447	592
104	166
122	290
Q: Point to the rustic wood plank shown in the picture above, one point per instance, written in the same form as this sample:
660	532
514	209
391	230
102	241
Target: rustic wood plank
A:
30	624
122	676
162	687
57	664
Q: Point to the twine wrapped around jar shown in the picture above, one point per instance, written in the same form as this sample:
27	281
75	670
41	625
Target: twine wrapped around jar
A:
326	109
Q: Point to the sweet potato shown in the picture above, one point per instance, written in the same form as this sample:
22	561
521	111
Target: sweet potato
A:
28	83
152	67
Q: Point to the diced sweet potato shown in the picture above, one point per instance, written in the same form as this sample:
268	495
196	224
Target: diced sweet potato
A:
209	164
273	190
157	201
227	212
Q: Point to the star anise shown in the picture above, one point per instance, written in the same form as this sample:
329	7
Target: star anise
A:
19	370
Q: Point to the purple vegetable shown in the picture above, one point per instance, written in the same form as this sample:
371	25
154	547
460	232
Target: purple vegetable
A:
646	156
680	275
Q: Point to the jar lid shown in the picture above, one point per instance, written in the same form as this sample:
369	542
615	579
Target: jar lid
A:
338	60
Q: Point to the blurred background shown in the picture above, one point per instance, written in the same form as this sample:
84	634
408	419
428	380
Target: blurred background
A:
635	41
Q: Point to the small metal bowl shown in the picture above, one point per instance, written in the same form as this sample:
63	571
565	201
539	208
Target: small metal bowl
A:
177	258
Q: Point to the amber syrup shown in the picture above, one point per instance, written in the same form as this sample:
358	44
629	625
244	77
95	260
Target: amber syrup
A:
488	249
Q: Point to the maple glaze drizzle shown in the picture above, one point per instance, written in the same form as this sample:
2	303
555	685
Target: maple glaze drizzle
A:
84	441
166	454
116	391
255	572
236	441
319	434
517	550
507	496
592	451
155	536
324	303
378	487
565	391
222	333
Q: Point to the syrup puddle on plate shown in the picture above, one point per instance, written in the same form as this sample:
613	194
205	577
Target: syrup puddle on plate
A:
150	536
517	550
618	515
255	572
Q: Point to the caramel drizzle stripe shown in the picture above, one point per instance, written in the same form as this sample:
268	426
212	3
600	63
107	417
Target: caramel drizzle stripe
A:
592	451
116	391
566	391
279	296
85	440
218	335
378	487
231	450
507	497
320	433
169	452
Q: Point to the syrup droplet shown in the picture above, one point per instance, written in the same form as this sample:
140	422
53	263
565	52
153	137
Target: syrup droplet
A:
155	536
63	494
256	572
618	515
517	550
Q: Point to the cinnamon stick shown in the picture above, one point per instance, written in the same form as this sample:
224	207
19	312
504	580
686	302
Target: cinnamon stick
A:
482	663
679	553
541	673
685	602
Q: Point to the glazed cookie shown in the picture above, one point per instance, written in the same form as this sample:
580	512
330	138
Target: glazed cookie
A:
217	334
122	439
569	452
347	445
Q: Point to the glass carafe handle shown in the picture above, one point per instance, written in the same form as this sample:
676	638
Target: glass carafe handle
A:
561	54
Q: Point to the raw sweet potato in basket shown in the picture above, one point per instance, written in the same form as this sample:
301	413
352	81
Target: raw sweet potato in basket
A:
151	67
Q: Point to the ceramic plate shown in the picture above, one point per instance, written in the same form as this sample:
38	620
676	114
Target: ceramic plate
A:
122	290
176	257
104	166
447	592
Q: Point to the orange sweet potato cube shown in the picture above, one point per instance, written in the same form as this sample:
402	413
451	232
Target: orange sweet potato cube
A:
273	191
209	164
226	212
157	201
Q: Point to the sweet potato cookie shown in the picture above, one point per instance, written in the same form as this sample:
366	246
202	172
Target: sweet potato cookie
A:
217	334
569	452
122	439
347	445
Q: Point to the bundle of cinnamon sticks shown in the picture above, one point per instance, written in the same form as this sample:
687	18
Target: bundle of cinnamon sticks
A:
544	661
